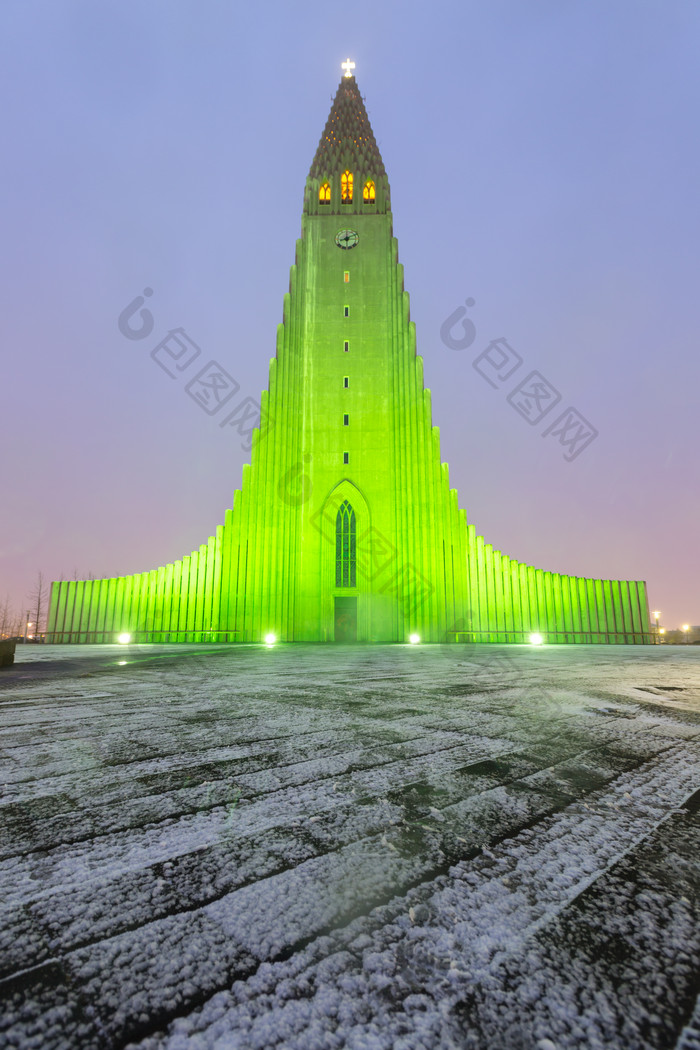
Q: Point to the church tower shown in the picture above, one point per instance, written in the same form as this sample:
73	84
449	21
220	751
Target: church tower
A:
345	528
350	529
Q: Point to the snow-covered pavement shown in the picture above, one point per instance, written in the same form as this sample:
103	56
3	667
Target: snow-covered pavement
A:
314	847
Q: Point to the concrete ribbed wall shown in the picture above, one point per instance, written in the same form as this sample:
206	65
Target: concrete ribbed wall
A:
421	567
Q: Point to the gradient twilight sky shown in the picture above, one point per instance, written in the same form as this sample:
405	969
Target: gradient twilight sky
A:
544	160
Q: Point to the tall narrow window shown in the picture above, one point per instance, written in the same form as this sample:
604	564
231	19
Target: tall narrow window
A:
324	193
345	546
346	420
346	187
346	381
346	457
346	276
346	310
346	345
368	193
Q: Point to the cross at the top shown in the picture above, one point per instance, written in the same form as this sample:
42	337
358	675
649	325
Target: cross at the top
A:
347	65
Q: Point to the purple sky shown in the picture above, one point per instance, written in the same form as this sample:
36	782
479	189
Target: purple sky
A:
543	160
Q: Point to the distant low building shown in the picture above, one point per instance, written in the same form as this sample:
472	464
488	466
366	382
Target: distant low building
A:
677	636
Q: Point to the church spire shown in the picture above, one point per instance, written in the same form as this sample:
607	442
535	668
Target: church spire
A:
347	140
347	173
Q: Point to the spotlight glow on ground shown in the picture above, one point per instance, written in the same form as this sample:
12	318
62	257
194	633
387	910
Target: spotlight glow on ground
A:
270	639
414	639
124	639
536	639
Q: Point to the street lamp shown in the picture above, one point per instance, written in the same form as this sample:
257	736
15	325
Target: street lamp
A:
656	614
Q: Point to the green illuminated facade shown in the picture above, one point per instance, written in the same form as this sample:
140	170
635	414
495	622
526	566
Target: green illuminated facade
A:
345	527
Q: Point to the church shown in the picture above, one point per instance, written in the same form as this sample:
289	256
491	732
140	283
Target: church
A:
345	528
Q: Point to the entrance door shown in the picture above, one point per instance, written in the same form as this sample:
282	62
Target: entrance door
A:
345	619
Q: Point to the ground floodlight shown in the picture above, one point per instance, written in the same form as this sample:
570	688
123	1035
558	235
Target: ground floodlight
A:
124	639
414	639
270	639
536	639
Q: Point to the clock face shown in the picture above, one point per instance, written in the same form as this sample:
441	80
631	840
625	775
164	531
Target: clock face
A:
346	238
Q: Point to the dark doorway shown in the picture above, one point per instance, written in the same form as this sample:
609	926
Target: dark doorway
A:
345	619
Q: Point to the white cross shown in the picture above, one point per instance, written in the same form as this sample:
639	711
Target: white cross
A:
347	65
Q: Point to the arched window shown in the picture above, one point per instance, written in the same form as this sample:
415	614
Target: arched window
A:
324	193
345	546
368	193
346	187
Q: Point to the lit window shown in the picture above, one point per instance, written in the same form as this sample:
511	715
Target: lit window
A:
368	193
324	193
345	546
346	276
346	457
346	381
346	187
346	421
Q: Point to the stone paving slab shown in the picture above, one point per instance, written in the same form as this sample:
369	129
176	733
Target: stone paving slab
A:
389	846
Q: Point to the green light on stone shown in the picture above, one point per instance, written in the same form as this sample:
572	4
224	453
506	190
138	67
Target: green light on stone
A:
346	347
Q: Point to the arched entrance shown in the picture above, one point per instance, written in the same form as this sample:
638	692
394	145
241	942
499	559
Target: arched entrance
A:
344	520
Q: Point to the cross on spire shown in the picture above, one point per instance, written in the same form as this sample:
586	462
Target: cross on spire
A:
347	65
